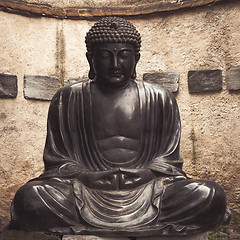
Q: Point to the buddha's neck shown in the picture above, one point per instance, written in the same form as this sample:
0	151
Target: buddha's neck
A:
112	88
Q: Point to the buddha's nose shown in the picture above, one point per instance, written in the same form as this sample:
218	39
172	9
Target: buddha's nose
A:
115	62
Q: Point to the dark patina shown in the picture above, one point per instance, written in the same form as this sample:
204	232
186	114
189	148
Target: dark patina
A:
112	162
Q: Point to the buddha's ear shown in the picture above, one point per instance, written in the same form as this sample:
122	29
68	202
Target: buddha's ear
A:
91	73
137	57
89	58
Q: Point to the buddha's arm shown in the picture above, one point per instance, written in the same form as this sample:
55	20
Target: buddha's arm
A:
59	157
166	132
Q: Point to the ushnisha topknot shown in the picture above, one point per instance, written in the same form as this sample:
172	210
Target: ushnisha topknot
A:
113	30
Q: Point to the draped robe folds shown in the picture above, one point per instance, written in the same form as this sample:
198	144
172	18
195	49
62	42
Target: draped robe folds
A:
71	148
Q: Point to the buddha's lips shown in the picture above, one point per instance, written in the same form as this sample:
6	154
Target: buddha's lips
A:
116	74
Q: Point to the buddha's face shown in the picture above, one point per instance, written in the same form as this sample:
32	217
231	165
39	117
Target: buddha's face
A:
114	64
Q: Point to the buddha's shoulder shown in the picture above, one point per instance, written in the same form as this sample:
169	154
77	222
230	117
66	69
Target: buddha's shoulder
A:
66	91
76	86
154	87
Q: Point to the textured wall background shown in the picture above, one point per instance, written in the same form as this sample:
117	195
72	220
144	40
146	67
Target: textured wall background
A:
81	8
196	39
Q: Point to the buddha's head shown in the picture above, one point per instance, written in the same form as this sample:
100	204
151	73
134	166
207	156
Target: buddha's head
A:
113	46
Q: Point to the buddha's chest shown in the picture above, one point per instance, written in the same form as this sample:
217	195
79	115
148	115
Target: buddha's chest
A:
116	114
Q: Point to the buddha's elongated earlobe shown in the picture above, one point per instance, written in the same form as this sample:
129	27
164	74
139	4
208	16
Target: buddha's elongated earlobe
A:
91	73
134	74
137	57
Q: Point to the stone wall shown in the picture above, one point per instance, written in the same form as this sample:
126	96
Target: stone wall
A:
79	9
198	39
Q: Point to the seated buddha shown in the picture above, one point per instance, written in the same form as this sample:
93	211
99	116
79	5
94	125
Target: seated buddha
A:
112	161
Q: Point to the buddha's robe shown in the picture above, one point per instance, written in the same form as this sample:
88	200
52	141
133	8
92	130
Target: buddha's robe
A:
171	203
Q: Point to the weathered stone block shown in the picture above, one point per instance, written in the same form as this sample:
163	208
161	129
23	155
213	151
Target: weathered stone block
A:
204	80
233	78
203	236
168	80
22	235
90	237
40	87
8	86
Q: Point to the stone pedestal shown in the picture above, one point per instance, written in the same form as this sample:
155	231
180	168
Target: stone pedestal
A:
90	237
22	235
203	236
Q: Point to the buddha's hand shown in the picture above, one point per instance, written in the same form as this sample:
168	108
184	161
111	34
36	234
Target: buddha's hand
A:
102	180
132	178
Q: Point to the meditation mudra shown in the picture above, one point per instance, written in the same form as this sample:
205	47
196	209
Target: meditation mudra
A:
112	162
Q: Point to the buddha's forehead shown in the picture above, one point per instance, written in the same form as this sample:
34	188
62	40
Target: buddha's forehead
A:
114	47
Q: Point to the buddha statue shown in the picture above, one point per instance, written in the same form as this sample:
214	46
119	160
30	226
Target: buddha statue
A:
112	161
